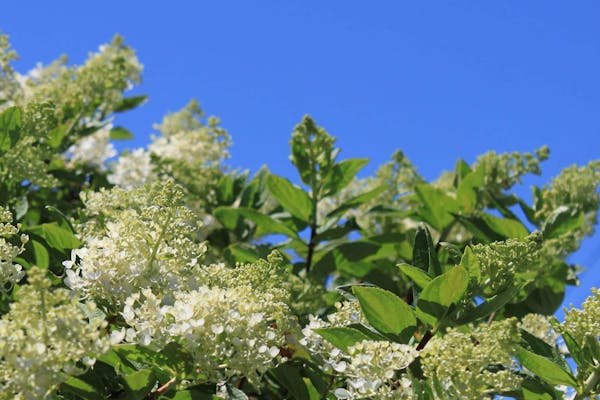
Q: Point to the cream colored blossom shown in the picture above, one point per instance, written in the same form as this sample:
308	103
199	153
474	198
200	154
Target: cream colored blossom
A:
504	262
228	331
585	321
539	326
371	370
92	150
10	271
44	338
132	170
466	363
134	240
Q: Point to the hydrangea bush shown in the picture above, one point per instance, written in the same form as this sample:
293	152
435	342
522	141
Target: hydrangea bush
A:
162	273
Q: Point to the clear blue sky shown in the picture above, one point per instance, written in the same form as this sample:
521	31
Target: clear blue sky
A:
440	80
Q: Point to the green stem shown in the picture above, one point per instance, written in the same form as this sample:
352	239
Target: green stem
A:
157	244
589	384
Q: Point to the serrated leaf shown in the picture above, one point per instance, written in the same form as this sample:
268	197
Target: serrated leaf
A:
440	293
544	368
129	103
385	311
342	337
292	198
120	133
417	275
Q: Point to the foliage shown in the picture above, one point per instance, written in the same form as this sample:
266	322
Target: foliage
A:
162	273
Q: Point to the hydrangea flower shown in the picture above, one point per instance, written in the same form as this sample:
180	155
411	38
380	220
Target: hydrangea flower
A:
45	337
466	363
10	271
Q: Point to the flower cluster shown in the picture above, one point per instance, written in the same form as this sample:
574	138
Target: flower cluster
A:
95	88
470	365
539	326
371	370
584	322
10	271
134	240
348	313
188	151
575	188
26	163
92	150
228	331
504	262
368	368
502	171
133	169
45	338
8	83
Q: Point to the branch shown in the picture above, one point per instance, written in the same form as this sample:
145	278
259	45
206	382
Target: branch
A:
161	389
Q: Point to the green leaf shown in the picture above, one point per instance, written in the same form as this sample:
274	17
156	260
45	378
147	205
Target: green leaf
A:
10	125
417	275
292	198
508	228
56	236
342	337
235	393
385	311
591	349
129	103
535	390
470	262
342	174
42	258
479	228
466	193
289	376
437	207
55	136
194	395
544	368
490	306
424	254
120	133
357	201
139	384
350	258
440	293
561	221
228	216
82	389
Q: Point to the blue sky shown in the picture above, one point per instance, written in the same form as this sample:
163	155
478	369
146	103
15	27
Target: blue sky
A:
440	80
